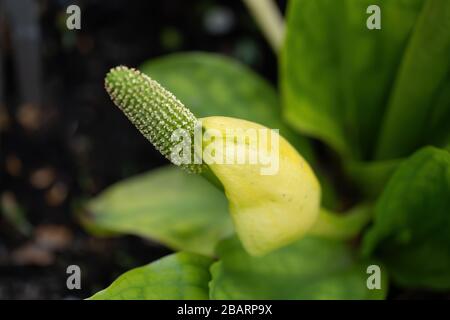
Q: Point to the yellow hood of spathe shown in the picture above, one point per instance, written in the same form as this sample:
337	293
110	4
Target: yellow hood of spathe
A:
268	211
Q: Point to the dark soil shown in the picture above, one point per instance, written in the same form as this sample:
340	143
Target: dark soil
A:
56	154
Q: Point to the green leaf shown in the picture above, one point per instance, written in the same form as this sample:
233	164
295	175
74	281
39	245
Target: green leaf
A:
312	268
214	85
183	211
411	232
336	74
178	276
421	85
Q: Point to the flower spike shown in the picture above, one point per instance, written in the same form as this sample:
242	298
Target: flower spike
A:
155	111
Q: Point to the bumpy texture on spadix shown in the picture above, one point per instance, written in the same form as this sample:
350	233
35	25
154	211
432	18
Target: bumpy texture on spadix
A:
155	111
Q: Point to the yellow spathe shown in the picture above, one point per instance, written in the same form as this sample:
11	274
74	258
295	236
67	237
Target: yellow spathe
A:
268	211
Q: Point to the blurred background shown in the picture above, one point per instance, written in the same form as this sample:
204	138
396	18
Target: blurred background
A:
62	141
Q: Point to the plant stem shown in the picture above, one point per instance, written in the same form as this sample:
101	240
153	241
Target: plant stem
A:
269	19
342	226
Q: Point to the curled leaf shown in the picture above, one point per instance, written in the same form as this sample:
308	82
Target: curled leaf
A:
271	205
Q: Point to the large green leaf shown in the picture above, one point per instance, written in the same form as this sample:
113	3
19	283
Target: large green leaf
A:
312	268
336	74
183	211
421	87
411	232
178	276
214	85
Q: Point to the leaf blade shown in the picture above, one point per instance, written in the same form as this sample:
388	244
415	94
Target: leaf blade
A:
180	210
331	63
178	276
425	68
312	268
411	231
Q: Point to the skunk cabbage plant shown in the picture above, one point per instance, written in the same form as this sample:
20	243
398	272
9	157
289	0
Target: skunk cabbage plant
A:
254	202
